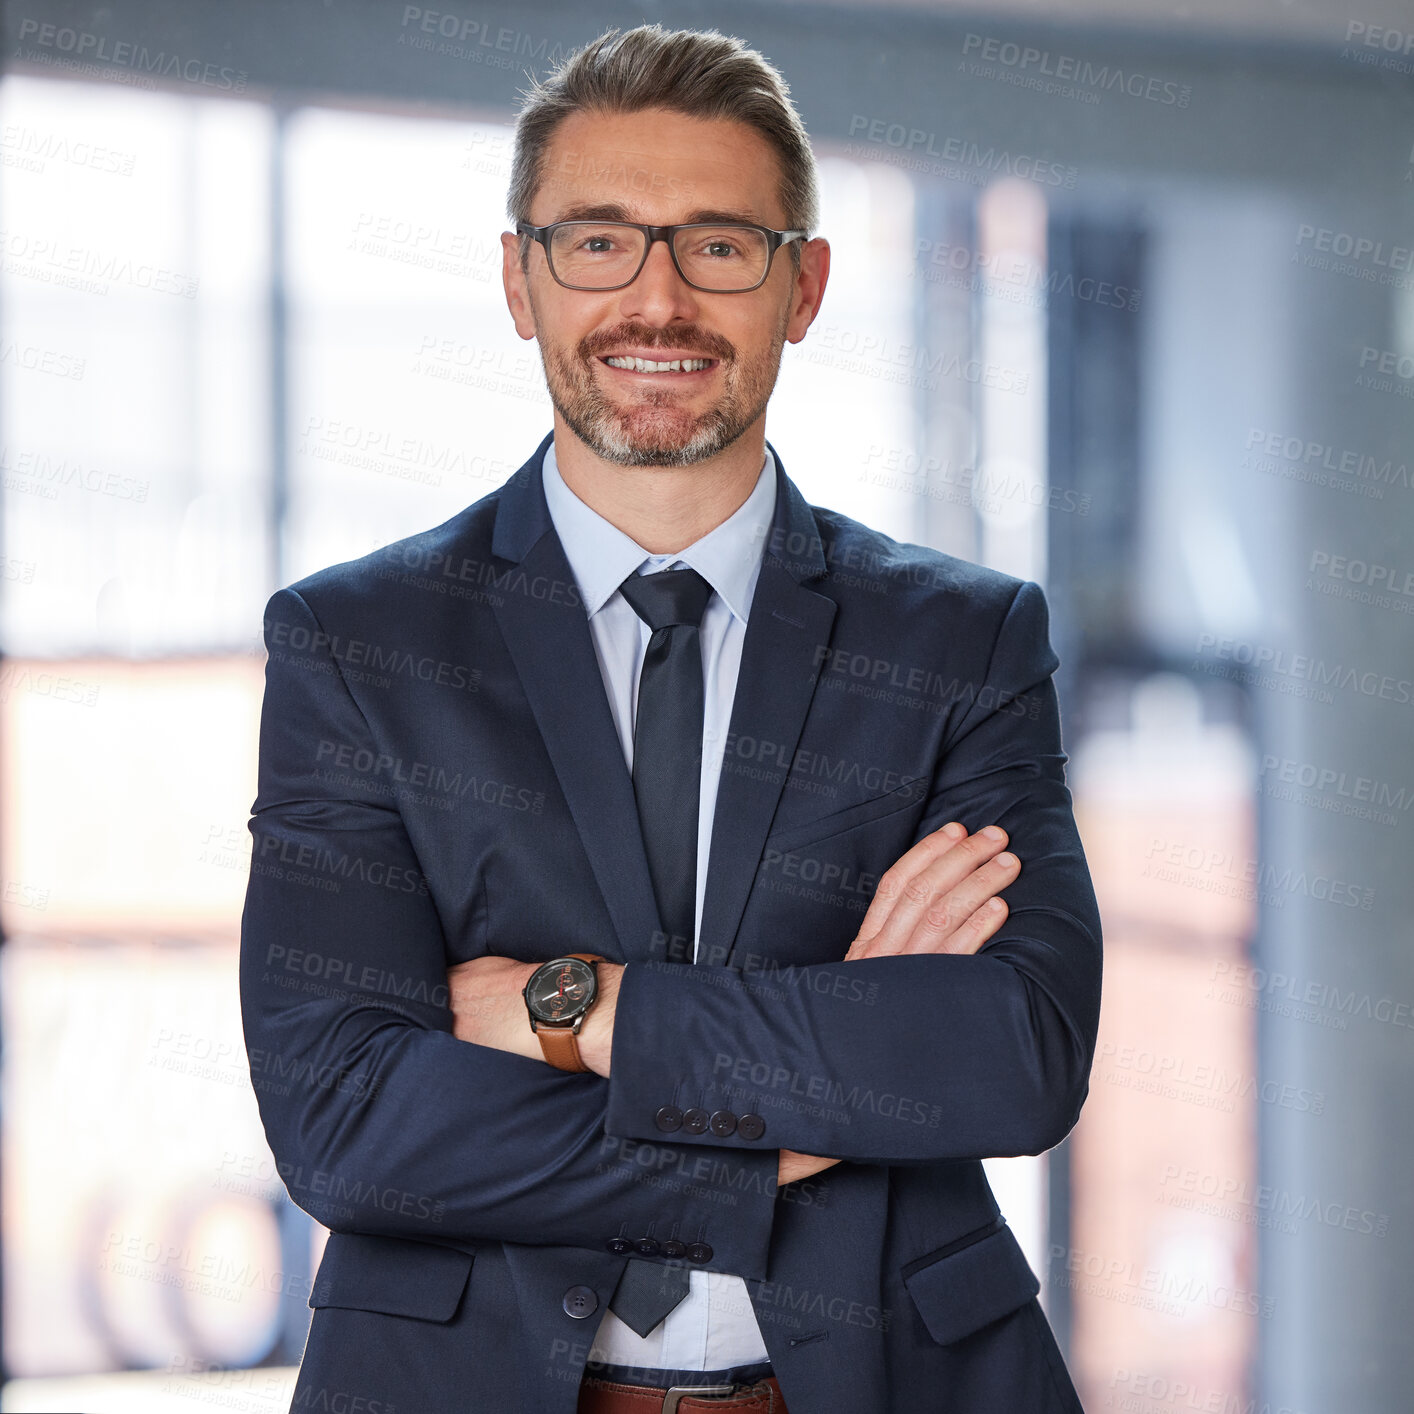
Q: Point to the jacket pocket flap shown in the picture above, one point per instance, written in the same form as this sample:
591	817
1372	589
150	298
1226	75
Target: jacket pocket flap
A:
393	1275
863	812
962	1291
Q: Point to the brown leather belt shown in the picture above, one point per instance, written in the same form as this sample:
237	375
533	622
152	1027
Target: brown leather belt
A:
598	1396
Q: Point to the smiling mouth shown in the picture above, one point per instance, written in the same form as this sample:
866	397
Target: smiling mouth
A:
677	367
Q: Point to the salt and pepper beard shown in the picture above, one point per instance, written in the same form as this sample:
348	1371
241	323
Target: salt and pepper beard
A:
613	434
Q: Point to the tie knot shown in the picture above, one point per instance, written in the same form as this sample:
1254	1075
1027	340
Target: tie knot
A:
667	597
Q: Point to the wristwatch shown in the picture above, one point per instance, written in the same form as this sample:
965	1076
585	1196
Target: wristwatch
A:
558	997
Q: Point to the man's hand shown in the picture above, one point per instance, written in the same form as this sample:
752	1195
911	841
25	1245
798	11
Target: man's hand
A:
489	1010
941	896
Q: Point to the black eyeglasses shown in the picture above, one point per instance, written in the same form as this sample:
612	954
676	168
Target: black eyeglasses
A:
723	258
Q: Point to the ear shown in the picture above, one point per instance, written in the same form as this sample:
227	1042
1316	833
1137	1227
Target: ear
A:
514	280
809	288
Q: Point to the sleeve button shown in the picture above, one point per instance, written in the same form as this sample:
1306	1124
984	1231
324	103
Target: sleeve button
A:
668	1119
723	1123
699	1252
695	1121
673	1248
619	1244
647	1247
751	1126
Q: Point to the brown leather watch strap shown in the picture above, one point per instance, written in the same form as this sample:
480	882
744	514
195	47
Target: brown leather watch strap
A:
560	1044
561	1047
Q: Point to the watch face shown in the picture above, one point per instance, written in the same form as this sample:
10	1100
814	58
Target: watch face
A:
560	990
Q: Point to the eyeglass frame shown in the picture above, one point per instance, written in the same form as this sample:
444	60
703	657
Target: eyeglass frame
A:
774	241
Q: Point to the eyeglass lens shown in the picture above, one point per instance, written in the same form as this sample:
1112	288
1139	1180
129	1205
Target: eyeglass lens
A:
598	255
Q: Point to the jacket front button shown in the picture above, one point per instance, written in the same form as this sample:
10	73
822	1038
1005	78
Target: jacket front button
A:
580	1301
695	1121
699	1252
668	1118
751	1126
723	1123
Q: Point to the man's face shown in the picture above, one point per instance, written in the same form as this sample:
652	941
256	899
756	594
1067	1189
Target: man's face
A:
662	168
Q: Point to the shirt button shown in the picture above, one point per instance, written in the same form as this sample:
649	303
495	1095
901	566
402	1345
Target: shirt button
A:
695	1121
668	1119
751	1126
723	1123
580	1301
699	1252
619	1244
647	1247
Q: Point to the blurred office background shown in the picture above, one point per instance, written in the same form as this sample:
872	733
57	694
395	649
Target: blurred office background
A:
1122	300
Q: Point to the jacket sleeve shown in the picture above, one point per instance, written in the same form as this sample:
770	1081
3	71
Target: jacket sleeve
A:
379	1119
922	1057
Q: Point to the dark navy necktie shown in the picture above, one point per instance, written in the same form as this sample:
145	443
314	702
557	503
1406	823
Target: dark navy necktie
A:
667	743
667	770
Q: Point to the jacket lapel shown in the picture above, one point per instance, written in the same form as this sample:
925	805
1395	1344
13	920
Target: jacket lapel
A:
550	644
787	628
549	641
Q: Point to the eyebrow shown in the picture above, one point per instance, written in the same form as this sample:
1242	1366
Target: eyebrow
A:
613	211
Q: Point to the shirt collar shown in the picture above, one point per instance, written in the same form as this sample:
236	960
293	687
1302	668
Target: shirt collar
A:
728	557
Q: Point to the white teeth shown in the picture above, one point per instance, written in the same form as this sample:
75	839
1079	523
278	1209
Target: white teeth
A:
643	365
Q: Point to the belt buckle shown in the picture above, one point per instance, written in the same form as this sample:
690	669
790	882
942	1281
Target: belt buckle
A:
676	1393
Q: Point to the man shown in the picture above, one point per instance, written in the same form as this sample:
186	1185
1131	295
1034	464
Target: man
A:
626	848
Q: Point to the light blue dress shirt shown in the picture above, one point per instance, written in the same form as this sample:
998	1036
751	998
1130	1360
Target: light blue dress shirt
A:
714	1325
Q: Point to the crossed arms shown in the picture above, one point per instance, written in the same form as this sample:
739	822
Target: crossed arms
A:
942	896
383	1120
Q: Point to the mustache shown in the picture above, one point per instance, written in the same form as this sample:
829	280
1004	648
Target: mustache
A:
695	341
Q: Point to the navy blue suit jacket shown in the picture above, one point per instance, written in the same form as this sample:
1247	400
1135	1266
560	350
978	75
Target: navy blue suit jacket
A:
440	778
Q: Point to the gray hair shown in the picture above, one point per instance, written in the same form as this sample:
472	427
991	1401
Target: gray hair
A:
699	73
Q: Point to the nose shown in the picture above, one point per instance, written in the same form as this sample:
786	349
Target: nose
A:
659	294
